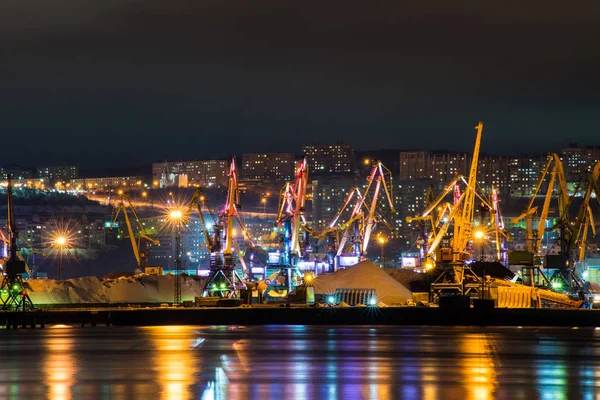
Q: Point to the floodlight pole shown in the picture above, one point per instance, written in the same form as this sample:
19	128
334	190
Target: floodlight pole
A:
177	299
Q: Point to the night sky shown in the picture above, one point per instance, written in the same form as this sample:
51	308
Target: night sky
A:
114	83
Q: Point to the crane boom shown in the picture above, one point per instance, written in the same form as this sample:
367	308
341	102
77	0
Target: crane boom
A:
444	228
230	210
362	222
196	203
585	218
447	189
124	203
463	225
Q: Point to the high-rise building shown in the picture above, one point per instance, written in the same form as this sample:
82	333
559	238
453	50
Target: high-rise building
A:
410	199
327	159
328	196
267	166
578	160
442	167
524	175
203	173
17	173
414	165
494	172
61	173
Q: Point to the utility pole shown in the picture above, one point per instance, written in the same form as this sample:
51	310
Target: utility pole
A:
177	299
60	263
176	216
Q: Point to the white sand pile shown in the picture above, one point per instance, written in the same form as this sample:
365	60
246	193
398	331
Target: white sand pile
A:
135	289
364	275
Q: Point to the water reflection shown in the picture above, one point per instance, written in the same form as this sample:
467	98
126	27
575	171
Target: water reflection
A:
214	363
477	366
60	364
173	360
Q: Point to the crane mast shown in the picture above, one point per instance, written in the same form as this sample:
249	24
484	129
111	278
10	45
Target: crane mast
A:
498	224
223	280
290	217
12	290
463	226
536	226
456	276
585	219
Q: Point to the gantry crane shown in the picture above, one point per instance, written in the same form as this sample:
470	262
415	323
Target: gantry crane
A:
457	277
12	290
536	225
223	280
573	240
140	250
290	216
357	230
577	243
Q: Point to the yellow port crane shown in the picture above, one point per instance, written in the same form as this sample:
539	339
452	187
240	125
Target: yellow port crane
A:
457	277
139	251
585	219
536	221
554	169
223	280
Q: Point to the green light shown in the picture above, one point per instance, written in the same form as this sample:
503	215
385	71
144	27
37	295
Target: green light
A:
222	285
557	285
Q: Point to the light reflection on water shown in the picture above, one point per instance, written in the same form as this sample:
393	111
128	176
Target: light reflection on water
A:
297	362
60	365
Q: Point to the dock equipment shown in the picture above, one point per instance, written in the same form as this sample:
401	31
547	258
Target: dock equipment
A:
12	291
291	218
457	277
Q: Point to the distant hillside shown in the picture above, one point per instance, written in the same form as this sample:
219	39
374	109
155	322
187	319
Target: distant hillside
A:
144	170
32	197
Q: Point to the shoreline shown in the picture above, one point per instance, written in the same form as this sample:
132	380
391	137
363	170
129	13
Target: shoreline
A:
406	316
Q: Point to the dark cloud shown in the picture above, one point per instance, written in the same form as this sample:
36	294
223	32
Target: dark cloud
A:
96	82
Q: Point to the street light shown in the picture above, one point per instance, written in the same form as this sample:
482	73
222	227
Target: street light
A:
479	237
60	242
429	265
382	240
175	216
263	201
